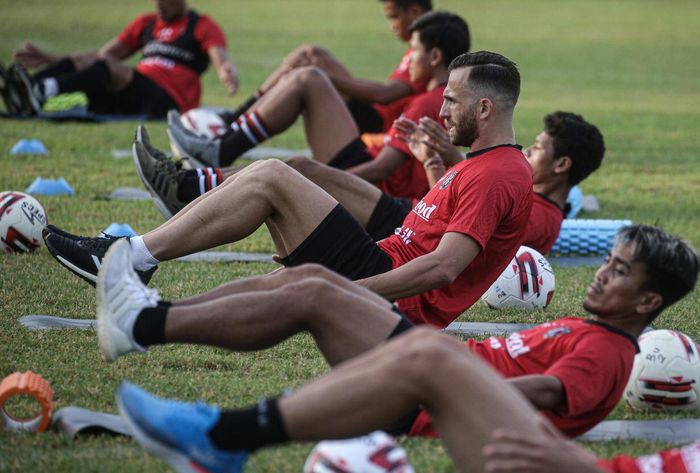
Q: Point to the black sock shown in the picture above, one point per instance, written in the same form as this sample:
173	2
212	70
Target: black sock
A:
230	117
248	429
196	182
248	131
149	327
91	80
62	67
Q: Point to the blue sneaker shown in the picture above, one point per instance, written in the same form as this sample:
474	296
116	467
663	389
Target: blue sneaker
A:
177	432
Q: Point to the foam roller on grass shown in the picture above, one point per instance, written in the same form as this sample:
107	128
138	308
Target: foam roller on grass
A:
587	237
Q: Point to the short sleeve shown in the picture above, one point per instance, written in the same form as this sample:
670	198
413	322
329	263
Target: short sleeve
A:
131	35
421	106
208	34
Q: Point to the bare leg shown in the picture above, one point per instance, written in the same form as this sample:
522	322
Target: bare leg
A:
466	398
267	191
344	319
358	196
121	74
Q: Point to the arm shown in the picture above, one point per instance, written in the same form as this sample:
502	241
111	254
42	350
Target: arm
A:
436	269
225	69
383	166
544	392
31	56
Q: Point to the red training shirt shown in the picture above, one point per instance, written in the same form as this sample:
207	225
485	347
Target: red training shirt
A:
591	359
673	460
545	222
391	111
181	83
487	197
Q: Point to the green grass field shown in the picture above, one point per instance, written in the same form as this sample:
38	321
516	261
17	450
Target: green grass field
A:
626	65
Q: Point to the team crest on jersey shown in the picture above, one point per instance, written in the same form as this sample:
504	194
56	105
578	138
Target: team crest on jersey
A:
555	332
447	180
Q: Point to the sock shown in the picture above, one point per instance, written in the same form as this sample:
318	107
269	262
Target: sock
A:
64	66
49	87
247	131
142	258
94	79
248	429
197	182
230	117
149	326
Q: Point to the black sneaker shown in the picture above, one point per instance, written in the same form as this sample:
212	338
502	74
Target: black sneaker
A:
83	255
10	97
32	98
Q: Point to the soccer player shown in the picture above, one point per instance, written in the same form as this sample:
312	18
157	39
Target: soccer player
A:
177	45
647	271
436	39
451	247
373	105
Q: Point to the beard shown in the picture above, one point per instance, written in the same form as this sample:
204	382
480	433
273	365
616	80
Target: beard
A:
466	130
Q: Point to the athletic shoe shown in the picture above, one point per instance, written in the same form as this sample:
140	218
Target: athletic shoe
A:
12	101
83	255
177	432
32	98
121	296
159	174
202	152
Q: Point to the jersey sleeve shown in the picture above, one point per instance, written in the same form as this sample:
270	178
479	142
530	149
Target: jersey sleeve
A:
587	374
422	106
208	34
131	35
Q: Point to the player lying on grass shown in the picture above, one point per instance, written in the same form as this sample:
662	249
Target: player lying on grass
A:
451	247
567	151
574	368
647	271
373	105
436	39
177	45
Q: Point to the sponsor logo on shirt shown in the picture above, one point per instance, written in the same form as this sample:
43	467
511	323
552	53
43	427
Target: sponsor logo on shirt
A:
445	181
691	457
423	211
165	34
159	61
516	345
555	332
650	464
405	234
495	343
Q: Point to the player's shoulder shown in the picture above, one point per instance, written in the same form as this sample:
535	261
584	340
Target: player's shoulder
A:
207	20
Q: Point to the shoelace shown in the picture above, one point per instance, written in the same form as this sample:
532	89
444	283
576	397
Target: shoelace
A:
98	245
171	169
135	286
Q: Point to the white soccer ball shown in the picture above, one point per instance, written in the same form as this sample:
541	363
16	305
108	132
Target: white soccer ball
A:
203	122
527	283
666	372
373	453
22	218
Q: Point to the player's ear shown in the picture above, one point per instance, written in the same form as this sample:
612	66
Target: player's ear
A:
649	302
436	57
562	164
485	108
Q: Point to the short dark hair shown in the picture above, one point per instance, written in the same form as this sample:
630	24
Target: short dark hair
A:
491	73
581	141
425	5
443	30
671	263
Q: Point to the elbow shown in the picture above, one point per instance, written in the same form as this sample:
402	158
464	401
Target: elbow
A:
442	276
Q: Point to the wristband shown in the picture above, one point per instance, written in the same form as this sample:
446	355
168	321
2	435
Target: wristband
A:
30	384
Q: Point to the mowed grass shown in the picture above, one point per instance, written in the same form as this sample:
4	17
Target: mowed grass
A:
628	66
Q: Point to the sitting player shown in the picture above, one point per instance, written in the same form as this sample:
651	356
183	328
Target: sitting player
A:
436	39
373	105
453	245
177	46
647	271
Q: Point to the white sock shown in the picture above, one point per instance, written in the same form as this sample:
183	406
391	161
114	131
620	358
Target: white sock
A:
50	87
142	259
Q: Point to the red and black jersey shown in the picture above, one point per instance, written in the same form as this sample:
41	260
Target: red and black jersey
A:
673	460
544	225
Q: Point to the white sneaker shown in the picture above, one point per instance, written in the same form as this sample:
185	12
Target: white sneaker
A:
121	296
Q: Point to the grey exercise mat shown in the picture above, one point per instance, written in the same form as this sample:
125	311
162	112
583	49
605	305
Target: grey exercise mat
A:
484	328
576	261
76	421
280	153
226	257
674	430
129	193
42	322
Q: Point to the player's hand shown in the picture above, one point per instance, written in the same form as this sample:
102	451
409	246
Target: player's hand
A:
439	140
228	75
417	141
31	56
511	451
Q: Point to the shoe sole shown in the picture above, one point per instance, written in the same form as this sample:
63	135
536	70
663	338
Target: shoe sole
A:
180	462
155	197
35	105
188	162
81	273
104	322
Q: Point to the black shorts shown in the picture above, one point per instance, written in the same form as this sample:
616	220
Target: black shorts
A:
141	97
366	117
404	324
388	215
341	244
352	154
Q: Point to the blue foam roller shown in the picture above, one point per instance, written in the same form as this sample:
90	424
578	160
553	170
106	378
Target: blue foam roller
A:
41	186
587	237
575	201
119	230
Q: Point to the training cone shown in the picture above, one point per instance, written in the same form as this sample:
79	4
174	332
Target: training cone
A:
25	146
42	186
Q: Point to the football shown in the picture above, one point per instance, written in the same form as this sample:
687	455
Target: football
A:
666	372
22	218
373	453
203	122
527	283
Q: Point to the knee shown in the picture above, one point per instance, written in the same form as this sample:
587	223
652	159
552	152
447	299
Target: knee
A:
308	77
309	271
428	351
302	165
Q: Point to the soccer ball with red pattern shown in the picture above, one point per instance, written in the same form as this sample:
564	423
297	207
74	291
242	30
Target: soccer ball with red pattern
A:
666	372
373	453
22	218
203	122
527	283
